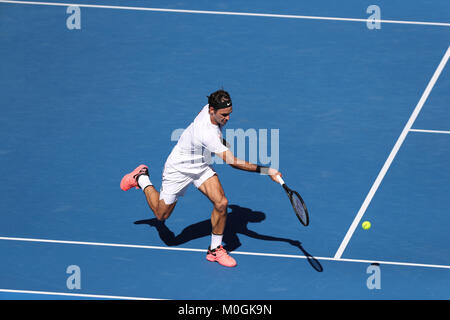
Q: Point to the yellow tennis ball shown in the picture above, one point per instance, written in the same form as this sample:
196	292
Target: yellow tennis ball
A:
366	225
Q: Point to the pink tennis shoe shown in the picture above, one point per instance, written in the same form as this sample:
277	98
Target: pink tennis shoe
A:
130	180
221	256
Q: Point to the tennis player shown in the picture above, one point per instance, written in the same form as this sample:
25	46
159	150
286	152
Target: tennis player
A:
189	163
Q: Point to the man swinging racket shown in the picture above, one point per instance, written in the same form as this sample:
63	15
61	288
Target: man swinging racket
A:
188	164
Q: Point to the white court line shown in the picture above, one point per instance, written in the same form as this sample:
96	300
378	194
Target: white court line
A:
248	14
81	295
234	252
430	131
392	155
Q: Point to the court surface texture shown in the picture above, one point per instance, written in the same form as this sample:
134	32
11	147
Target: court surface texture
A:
355	111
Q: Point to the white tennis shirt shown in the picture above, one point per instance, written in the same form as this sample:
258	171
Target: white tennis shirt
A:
191	154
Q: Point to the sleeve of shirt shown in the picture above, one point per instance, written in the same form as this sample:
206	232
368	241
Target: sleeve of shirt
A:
213	142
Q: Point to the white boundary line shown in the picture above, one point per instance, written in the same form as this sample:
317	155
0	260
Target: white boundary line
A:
377	181
82	295
430	131
248	14
392	155
234	252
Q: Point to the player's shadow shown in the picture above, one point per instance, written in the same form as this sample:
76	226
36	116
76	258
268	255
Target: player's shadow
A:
237	221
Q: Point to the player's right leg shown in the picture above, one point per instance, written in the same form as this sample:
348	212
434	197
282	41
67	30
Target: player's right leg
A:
139	179
213	190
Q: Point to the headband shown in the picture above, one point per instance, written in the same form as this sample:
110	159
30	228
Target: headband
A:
221	105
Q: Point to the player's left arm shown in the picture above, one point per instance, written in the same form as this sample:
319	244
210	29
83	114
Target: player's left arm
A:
240	164
225	143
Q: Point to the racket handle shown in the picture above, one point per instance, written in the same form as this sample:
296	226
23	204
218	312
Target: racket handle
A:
280	180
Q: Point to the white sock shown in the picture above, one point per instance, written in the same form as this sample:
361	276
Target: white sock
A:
216	240
144	181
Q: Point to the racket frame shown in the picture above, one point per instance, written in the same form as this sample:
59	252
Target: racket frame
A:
290	194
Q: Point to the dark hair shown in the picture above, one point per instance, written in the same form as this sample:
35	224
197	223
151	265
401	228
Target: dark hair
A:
219	99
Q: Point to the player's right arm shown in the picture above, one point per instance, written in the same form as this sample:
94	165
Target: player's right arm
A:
240	164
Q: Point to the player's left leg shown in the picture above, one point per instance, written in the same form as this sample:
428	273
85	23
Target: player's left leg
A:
160	208
140	179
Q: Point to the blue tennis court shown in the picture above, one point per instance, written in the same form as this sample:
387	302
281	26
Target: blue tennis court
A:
356	118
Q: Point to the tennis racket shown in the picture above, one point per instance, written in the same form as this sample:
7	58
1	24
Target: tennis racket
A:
297	203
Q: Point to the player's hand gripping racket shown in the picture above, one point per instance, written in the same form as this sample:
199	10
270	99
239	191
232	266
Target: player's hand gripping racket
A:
297	203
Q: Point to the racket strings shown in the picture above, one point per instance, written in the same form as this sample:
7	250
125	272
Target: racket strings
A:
299	209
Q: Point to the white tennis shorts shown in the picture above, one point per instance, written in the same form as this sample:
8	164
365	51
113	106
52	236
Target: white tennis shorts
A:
175	183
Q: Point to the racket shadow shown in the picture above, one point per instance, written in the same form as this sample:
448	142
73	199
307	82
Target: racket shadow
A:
237	223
